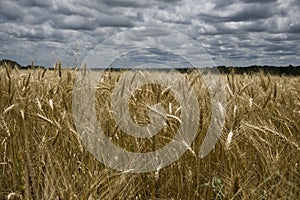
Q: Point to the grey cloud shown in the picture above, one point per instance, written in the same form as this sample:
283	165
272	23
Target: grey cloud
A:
252	12
150	55
74	22
295	28
126	3
233	28
278	47
221	3
293	37
146	33
37	16
11	10
258	1
251	45
86	9
113	21
169	1
35	3
281	53
276	37
35	32
241	31
77	22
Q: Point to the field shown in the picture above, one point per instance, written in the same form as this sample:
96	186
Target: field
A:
42	157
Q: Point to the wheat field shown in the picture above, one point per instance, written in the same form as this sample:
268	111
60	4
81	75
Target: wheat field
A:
42	157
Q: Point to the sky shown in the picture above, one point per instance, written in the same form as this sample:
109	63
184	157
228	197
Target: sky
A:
232	32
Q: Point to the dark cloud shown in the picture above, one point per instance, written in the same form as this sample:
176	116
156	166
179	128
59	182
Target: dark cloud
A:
259	1
169	1
11	10
35	3
125	3
242	31
219	4
282	47
113	21
77	22
295	27
252	13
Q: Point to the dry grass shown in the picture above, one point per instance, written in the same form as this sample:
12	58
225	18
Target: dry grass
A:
41	156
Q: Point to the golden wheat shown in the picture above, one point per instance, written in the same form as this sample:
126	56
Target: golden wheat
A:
41	156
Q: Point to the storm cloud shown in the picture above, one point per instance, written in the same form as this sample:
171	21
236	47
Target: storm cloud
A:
233	32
